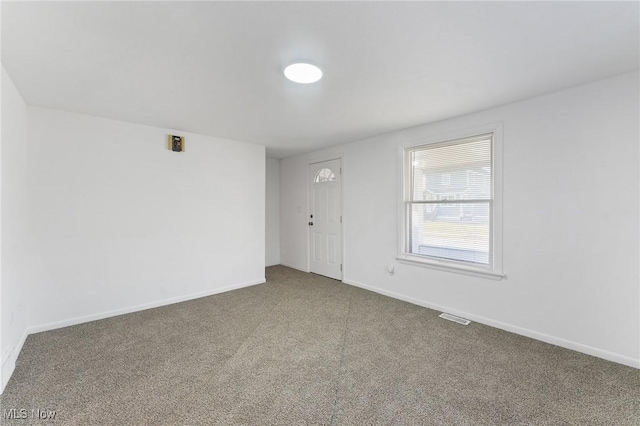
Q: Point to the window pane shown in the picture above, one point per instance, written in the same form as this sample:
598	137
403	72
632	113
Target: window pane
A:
451	172
325	175
455	231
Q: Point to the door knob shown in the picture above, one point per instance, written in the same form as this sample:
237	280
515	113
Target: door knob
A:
310	223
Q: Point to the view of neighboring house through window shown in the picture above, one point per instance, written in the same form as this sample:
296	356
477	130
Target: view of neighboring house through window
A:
448	195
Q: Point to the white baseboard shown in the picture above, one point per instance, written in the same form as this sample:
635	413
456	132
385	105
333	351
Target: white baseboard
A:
299	268
93	317
8	363
558	341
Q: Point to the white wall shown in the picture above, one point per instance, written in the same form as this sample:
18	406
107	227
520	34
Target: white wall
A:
13	225
121	223
272	212
293	212
571	208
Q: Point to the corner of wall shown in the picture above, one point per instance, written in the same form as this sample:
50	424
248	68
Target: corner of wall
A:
13	227
8	363
272	212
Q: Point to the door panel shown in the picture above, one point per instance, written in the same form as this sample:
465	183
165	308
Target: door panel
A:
317	247
325	229
333	215
332	251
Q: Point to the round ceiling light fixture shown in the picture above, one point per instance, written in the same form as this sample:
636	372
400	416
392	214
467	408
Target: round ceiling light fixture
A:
303	73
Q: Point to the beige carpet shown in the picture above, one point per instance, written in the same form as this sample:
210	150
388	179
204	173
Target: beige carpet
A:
304	349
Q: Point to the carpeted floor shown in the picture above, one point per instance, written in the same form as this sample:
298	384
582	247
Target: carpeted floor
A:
303	349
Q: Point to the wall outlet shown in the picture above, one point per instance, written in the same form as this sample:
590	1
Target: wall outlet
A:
391	269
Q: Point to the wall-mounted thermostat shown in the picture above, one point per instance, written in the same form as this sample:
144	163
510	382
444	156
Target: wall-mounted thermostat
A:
176	143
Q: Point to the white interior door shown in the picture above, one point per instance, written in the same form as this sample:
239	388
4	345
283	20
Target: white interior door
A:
325	218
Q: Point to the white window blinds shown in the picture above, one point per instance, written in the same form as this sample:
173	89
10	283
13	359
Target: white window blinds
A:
448	196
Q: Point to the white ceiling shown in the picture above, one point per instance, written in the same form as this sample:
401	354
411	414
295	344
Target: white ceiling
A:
216	68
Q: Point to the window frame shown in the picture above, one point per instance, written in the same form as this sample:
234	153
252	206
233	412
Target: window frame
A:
495	269
330	178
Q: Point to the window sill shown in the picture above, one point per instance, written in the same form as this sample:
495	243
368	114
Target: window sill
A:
450	267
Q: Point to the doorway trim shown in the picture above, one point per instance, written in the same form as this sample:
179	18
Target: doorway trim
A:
321	159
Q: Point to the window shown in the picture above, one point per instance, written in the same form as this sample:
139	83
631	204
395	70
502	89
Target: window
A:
448	205
325	175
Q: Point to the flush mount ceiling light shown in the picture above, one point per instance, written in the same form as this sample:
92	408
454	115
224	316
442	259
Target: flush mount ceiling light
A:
303	73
